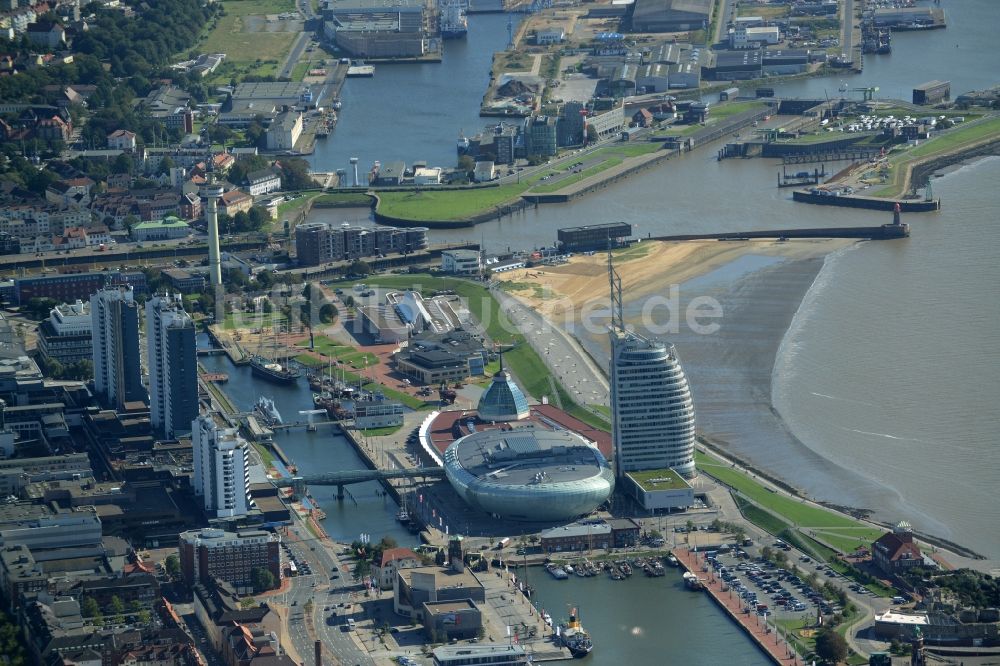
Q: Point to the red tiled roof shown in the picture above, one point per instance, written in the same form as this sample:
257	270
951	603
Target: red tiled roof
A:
397	554
449	426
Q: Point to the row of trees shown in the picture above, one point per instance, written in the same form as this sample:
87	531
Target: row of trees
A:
117	612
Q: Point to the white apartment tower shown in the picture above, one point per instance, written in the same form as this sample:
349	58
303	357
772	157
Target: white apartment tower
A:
651	407
221	467
115	330
173	366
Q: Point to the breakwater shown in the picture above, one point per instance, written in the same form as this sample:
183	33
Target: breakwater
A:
870	203
884	232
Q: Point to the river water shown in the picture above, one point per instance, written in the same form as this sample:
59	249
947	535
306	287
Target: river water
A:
884	388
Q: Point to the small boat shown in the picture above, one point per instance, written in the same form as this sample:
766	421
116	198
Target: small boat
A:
672	561
547	618
557	572
573	636
403	516
336	105
569	568
581	571
266	410
693	582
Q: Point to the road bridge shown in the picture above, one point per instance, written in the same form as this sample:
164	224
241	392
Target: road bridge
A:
348	477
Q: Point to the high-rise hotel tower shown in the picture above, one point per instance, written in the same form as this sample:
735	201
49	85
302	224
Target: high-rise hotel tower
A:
651	407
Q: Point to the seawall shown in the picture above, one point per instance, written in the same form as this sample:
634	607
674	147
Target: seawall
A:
884	232
870	203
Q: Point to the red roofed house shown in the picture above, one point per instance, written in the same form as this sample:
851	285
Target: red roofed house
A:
121	140
895	552
53	128
233	202
392	561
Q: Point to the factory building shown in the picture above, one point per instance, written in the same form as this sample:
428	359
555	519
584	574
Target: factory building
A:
736	65
670	15
372	29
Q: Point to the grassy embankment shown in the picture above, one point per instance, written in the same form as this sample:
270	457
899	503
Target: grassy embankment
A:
950	141
521	359
717	113
813	529
257	53
461	204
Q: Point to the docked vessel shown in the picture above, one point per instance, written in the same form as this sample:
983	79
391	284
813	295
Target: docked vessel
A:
454	23
273	371
693	582
266	410
556	571
573	636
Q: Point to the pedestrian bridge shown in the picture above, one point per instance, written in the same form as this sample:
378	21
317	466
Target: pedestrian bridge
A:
352	476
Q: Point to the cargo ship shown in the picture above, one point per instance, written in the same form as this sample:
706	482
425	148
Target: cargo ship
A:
454	24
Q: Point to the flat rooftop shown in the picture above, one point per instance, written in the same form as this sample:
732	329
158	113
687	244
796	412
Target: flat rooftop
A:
527	455
444	578
290	91
439	607
659	479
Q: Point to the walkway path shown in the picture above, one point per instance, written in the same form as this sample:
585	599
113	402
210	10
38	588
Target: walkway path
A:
758	629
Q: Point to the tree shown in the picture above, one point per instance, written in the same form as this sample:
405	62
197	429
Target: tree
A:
466	163
359	267
327	313
173	566
830	646
117	608
89	607
261	579
362	568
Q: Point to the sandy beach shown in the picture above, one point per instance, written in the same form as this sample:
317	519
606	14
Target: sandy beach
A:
644	269
759	286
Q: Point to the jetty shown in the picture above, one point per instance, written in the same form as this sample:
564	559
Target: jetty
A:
763	634
884	232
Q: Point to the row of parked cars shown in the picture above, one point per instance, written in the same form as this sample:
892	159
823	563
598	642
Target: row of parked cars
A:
769	585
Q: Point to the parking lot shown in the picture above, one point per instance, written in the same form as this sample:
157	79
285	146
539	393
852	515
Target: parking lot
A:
768	589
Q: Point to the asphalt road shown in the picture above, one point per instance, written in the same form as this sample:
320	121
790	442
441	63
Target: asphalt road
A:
563	355
324	591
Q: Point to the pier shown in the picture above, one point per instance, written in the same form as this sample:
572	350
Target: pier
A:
763	634
801	178
884	232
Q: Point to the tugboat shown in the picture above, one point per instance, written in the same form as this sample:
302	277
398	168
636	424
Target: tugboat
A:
574	637
266	410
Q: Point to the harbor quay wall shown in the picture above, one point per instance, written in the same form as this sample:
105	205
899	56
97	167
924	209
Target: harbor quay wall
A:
869	233
870	203
767	640
609	177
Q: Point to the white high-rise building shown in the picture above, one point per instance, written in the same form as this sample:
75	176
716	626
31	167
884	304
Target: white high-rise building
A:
173	366
115	330
221	467
651	406
652	412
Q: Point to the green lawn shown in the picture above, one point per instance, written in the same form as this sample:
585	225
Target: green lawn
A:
795	511
345	199
246	52
253	320
848	539
586	173
448	205
343	353
380	432
945	142
299	71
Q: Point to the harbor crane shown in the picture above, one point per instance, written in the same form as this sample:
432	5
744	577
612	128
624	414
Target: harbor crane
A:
867	93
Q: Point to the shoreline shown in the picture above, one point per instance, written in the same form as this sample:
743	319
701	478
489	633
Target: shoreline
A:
690	263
